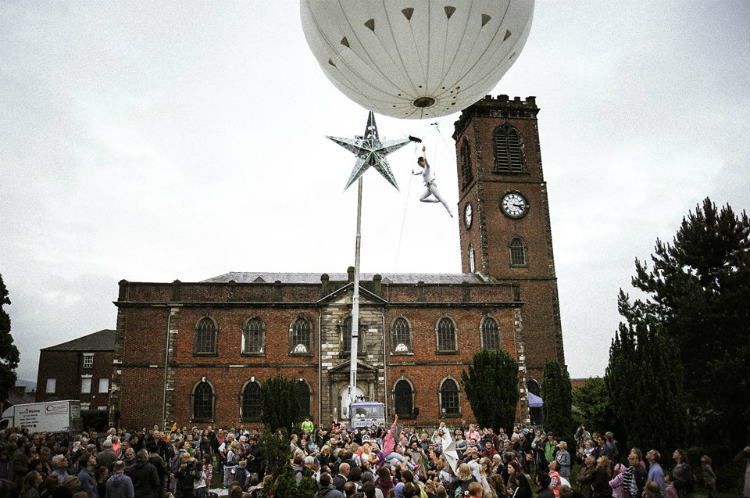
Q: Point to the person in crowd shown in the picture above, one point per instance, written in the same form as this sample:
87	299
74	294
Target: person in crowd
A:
634	478
586	477
682	474
616	482
145	477
87	476
652	490
563	459
655	472
543	482
327	489
602	475
30	485
709	478
119	485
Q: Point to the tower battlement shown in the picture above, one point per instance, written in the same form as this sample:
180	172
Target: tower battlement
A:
501	106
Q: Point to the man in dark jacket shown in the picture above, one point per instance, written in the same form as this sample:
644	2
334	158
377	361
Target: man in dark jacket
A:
543	481
326	488
86	476
146	483
119	485
186	475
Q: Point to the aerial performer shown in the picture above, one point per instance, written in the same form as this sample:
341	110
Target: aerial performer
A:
431	194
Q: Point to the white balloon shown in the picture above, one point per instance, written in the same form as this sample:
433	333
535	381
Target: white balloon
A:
416	58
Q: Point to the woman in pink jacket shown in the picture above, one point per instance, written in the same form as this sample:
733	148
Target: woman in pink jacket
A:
616	482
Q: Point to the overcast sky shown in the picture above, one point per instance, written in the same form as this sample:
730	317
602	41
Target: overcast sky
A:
159	140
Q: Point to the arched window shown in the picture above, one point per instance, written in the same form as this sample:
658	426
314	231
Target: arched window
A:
449	398
303	399
508	148
346	337
472	267
403	399
517	252
254	336
401	336
533	387
251	402
301	336
446	335
466	173
203	402
490	334
205	336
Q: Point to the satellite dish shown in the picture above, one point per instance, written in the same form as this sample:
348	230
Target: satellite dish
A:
416	59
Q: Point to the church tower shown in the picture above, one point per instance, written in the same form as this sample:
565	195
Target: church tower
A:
504	219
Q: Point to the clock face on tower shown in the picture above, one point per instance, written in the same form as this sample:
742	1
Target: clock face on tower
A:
514	205
468	213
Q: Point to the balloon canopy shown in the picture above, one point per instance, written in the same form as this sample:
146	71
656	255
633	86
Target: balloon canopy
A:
416	58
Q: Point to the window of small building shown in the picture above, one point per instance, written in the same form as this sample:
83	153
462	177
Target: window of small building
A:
507	145
85	384
449	405
205	337
254	336
490	334
104	385
88	360
401	336
301	336
51	386
85	405
517	249
251	402
403	399
446	335
203	402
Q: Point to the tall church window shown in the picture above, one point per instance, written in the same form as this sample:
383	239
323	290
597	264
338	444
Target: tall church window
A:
401	336
346	337
253	336
466	173
403	399
301	336
490	334
449	398
517	252
205	336
507	145
203	402
446	335
251	401
303	399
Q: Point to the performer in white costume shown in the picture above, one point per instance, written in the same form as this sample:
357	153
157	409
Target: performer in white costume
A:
431	194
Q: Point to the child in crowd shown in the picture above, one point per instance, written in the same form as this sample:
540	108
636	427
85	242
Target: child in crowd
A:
708	476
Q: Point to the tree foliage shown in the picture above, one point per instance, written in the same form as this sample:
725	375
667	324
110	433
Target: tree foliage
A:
592	406
556	393
697	289
491	386
279	403
9	356
645	381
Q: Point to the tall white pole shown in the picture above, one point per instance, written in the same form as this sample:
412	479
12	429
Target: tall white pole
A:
355	305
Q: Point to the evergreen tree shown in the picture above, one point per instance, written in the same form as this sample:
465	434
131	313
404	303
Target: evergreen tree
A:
279	403
592	406
9	356
697	289
556	393
491	387
276	451
645	381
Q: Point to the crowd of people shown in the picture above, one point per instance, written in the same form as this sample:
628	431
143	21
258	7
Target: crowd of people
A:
382	462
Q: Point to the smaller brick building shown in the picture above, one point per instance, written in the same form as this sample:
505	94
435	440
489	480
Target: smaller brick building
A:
78	369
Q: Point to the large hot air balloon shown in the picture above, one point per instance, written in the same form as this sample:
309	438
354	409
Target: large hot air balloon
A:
416	58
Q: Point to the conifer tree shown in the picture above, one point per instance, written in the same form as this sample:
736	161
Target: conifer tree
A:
593	407
556	393
697	289
279	403
645	382
491	386
9	356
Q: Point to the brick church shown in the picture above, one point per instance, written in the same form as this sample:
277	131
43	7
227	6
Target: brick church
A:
197	352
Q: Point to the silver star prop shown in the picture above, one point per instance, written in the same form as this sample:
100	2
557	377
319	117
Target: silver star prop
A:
370	151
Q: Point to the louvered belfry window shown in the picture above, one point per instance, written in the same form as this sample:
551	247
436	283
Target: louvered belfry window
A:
517	252
466	172
507	145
